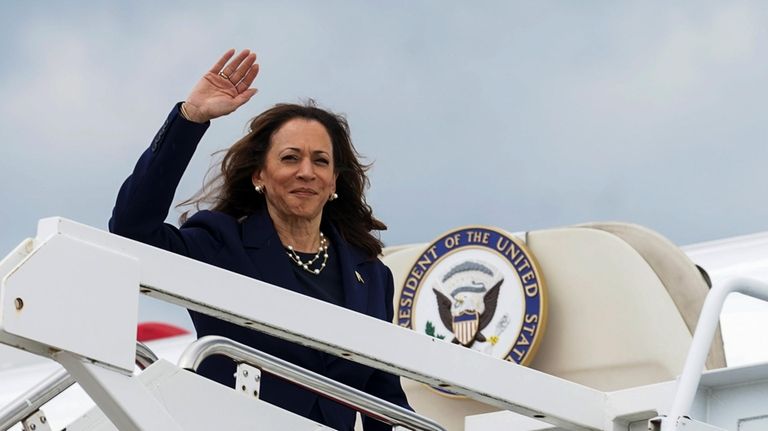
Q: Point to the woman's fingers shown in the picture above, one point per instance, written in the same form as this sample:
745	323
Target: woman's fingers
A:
242	69
247	80
245	96
225	87
231	66
222	61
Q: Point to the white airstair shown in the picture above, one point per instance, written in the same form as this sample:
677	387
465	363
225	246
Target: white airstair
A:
72	280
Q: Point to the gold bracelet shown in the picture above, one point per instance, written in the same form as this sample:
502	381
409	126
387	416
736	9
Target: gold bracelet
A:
184	112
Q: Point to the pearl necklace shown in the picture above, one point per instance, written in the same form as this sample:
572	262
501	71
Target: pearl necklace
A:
307	266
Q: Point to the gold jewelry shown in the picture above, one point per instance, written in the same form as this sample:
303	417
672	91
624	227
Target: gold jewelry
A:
224	75
307	266
184	112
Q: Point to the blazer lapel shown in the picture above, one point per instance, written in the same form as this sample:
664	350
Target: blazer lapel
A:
266	252
355	290
270	264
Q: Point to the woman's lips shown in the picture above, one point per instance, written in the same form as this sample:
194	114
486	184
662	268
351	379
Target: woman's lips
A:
304	192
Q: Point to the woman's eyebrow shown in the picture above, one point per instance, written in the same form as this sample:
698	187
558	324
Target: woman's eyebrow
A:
295	149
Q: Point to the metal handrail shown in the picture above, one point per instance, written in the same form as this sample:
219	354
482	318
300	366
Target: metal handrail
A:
144	356
31	401
689	380
365	403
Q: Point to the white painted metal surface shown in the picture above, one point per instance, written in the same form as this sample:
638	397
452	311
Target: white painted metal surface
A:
71	404
333	329
127	403
52	386
734	399
63	278
731	399
708	320
199	404
727	399
215	406
248	381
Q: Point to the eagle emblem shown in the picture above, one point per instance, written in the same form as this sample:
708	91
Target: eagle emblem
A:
467	300
476	287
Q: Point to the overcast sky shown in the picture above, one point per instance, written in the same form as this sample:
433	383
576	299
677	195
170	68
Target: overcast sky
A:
522	115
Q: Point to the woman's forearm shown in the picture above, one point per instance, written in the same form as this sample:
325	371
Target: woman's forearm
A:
147	194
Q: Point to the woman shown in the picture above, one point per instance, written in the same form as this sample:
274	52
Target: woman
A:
287	208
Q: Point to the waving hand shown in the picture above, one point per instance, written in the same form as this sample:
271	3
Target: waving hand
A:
224	88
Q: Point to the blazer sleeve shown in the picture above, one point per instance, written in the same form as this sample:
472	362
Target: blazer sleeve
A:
382	384
146	196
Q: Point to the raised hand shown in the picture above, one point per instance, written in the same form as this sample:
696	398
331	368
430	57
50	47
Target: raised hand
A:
224	88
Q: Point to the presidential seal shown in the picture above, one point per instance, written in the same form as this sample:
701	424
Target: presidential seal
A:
480	288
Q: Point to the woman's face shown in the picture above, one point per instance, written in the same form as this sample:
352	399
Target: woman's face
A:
298	174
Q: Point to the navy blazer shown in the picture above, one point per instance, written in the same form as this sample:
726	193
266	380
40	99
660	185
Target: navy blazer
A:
252	247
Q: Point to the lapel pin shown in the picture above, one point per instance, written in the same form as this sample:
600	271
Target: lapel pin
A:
359	277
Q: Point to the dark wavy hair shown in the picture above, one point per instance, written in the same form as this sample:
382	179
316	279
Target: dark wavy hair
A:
231	191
